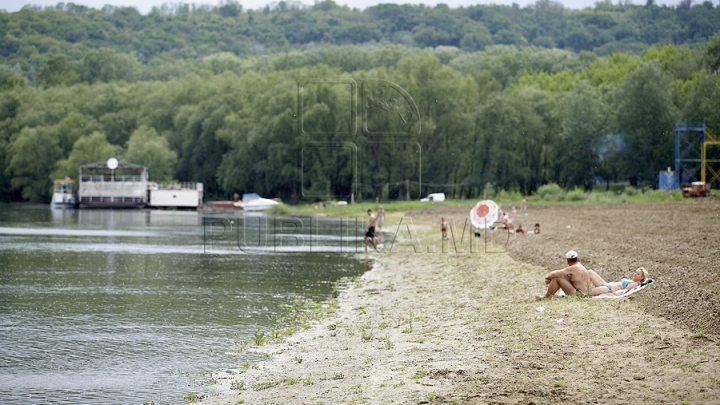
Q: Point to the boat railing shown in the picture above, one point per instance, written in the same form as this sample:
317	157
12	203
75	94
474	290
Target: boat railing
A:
110	178
178	186
111	200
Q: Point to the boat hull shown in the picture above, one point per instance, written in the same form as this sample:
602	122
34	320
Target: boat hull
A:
260	204
63	200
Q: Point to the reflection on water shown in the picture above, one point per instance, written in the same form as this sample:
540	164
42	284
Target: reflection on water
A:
129	306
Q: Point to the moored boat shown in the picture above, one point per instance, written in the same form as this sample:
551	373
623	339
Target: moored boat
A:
64	194
253	202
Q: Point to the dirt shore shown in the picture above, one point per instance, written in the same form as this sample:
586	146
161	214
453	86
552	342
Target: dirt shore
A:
463	328
677	242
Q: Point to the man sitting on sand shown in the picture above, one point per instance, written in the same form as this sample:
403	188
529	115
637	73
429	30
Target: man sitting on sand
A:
571	279
370	231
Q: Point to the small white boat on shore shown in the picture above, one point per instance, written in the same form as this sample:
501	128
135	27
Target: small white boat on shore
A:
253	202
64	194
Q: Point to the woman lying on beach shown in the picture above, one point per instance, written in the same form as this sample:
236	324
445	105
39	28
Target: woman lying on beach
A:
602	287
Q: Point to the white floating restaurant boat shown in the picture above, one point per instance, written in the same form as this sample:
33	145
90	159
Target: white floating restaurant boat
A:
102	187
115	184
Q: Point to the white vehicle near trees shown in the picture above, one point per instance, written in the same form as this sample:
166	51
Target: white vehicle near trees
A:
434	197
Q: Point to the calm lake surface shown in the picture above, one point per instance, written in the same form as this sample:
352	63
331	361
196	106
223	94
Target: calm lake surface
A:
117	306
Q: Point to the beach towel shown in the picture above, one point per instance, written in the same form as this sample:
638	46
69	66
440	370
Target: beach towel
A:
628	293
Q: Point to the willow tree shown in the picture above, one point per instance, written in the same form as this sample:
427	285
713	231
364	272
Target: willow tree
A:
646	116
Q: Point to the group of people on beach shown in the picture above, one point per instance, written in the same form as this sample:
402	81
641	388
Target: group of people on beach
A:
373	231
509	221
576	278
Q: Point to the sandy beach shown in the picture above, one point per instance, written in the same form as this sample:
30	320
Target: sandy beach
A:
463	328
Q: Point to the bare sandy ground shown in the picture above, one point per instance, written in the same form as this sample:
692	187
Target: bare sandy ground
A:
463	328
677	242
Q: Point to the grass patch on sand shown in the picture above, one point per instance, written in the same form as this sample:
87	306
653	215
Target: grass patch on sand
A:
549	194
360	208
552	194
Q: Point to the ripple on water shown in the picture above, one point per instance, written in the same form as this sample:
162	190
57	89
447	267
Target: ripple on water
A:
112	308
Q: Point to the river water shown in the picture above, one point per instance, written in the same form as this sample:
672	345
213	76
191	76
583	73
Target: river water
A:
134	306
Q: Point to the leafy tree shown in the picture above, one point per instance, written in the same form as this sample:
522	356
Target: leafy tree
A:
149	149
584	121
509	37
107	65
87	149
535	138
230	9
614	70
515	140
578	38
646	115
236	167
57	71
443	98
34	154
549	16
8	79
119	125
703	21
562	81
9	105
476	39
680	63
712	55
71	128
431	36
702	102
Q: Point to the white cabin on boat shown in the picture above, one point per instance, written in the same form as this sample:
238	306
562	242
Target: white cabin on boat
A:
123	186
175	195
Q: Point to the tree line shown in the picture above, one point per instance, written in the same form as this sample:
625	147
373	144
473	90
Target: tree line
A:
386	121
181	31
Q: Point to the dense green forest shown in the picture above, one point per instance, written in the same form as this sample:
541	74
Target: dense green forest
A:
184	31
392	101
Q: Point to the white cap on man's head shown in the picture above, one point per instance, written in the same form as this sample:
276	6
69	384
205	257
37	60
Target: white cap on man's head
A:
571	254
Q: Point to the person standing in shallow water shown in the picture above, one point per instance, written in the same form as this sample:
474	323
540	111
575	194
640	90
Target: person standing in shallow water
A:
370	231
571	279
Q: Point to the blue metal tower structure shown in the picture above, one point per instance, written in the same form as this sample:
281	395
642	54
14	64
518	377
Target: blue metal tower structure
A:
689	137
